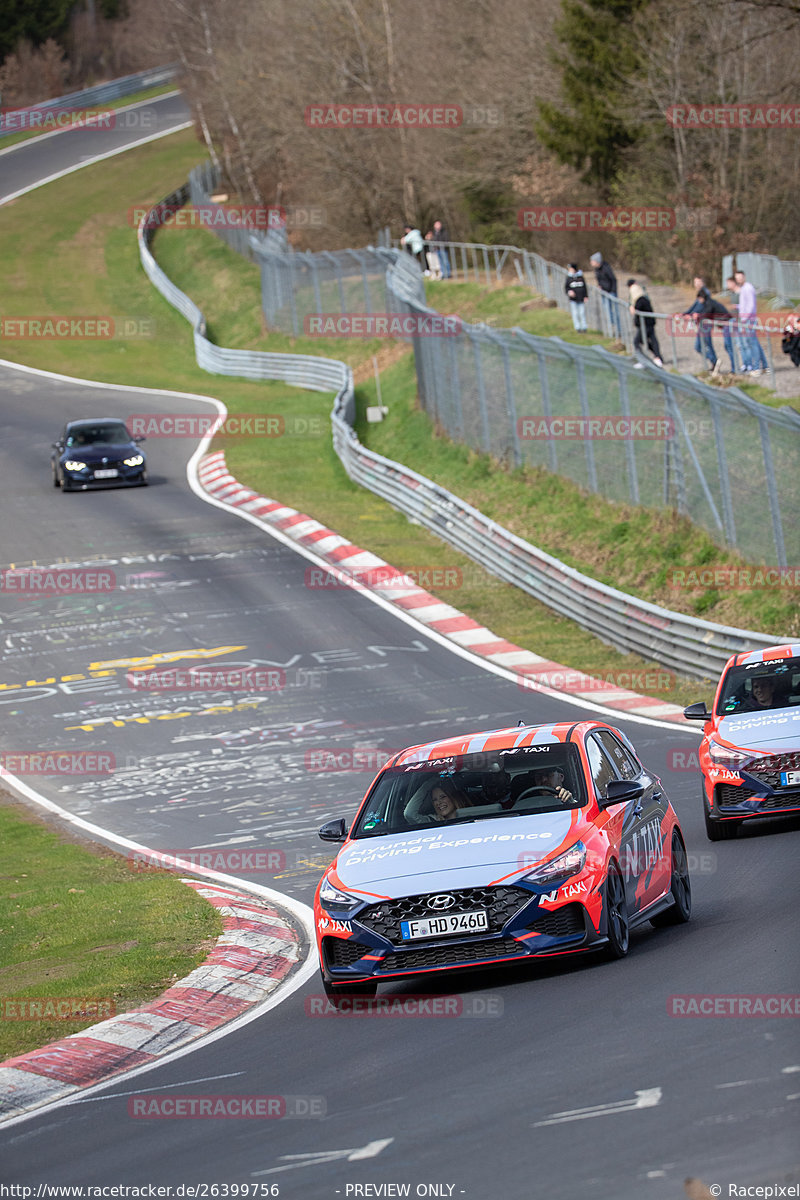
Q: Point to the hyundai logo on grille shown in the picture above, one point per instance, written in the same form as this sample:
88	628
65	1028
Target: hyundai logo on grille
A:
440	903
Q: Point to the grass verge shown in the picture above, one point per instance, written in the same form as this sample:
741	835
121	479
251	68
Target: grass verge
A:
87	260
77	924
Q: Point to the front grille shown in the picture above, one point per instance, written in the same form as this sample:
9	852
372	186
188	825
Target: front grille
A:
768	770
452	956
561	923
728	794
500	903
343	952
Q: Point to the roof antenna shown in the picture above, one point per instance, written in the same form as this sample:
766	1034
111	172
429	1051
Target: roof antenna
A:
521	722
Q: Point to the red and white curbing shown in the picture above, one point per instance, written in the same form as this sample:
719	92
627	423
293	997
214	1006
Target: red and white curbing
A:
256	951
532	670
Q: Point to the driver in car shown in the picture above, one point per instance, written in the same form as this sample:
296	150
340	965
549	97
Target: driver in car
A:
553	779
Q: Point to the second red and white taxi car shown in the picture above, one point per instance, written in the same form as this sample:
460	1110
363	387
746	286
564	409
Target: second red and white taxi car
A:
750	753
500	846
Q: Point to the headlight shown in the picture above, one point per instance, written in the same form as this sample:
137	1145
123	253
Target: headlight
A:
723	756
328	894
73	465
568	863
136	461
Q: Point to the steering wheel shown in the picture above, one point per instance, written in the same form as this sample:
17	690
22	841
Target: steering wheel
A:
531	791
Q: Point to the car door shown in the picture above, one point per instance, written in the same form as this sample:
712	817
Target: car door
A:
645	857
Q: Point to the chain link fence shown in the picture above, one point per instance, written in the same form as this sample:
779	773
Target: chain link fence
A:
629	432
767	274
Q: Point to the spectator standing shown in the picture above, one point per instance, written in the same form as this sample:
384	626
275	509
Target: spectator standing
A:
607	282
741	342
413	241
701	310
434	263
440	234
575	287
639	307
748	313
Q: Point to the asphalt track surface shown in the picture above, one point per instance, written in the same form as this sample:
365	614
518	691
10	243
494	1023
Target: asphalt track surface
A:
580	1084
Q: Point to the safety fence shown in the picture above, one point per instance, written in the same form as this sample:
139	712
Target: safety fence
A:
102	93
691	646
778	277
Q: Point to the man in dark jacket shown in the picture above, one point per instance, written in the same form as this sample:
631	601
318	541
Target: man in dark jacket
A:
607	282
575	287
708	313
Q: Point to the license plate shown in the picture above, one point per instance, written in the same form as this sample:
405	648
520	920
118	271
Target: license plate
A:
112	473
790	778
428	927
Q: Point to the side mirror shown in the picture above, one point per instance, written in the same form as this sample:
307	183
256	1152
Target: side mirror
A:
139	438
618	791
697	712
334	831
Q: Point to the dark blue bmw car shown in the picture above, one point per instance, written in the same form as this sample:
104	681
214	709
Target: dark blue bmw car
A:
97	452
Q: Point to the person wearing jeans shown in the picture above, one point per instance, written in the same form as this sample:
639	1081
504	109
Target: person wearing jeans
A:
748	314
575	287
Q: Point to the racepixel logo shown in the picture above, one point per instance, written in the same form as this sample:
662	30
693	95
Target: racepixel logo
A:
734	116
52	327
716	1005
249	217
385	578
43	582
51	1008
252	861
403	1006
610	428
207	679
376	325
56	762
158	1106
47	120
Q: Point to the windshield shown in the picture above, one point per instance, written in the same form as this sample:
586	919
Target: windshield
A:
756	687
106	433
468	788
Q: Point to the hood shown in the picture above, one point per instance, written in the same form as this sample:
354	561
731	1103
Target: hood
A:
472	854
776	729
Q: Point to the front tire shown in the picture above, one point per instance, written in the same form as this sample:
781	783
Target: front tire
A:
719	831
617	924
55	478
680	886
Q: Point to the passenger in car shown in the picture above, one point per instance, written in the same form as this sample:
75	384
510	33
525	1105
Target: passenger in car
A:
447	801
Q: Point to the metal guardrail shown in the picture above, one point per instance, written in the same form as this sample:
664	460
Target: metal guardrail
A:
102	93
693	647
767	273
